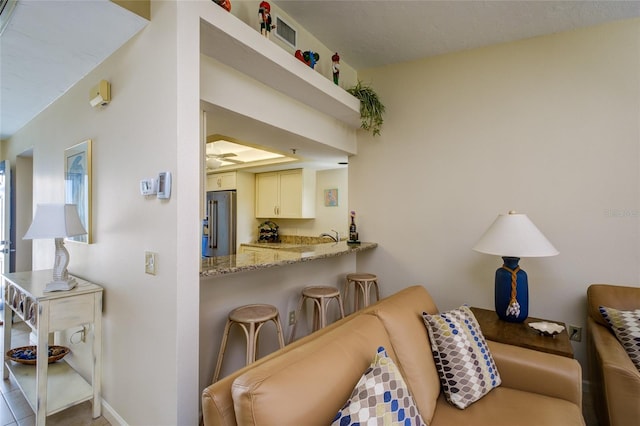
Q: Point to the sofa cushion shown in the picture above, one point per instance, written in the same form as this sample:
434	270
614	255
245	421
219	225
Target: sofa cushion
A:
626	326
465	365
311	382
402	318
616	296
380	395
508	407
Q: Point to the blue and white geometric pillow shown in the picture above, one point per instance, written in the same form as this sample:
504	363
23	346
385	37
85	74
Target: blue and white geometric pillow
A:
626	326
381	397
465	365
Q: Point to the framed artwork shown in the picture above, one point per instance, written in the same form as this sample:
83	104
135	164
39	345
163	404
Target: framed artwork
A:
77	178
331	197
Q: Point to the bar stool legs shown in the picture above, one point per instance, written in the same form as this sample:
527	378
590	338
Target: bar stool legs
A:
362	283
250	318
321	296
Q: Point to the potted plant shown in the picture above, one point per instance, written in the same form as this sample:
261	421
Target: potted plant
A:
371	109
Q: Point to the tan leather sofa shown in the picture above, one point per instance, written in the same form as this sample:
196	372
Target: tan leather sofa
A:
306	382
615	381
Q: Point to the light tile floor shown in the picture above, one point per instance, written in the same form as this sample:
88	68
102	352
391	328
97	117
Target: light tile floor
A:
15	410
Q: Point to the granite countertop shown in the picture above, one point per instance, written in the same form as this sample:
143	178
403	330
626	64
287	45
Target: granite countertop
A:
281	254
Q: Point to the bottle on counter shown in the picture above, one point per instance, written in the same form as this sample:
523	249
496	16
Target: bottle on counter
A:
353	233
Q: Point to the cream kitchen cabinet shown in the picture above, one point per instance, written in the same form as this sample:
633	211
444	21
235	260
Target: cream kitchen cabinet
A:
287	194
221	181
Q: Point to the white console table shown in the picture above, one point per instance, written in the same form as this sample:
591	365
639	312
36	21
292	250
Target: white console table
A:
50	388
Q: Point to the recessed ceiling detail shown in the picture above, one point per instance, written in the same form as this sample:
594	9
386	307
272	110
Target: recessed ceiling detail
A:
223	154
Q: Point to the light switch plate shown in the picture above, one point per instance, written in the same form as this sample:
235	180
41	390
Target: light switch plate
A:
149	263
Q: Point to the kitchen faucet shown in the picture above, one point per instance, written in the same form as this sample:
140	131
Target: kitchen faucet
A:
335	238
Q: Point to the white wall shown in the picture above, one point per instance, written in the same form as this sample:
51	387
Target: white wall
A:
133	137
23	196
546	126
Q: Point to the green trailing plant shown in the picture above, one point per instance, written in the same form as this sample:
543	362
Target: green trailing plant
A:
371	109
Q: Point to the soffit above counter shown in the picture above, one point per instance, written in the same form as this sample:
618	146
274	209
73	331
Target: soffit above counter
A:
230	41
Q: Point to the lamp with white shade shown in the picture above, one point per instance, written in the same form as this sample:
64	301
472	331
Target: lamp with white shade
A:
57	221
513	236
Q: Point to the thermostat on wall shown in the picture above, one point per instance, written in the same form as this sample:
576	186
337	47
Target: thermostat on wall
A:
148	186
164	185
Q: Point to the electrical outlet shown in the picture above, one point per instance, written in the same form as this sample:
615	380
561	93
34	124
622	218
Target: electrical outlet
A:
149	263
575	333
292	317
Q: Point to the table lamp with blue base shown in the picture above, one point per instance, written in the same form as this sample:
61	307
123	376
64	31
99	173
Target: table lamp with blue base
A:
513	236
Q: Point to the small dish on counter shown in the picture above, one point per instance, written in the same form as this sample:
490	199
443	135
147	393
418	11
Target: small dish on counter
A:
546	328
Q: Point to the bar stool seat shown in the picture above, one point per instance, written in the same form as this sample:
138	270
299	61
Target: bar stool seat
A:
250	318
321	296
362	283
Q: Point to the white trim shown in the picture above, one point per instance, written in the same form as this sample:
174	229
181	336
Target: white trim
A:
110	414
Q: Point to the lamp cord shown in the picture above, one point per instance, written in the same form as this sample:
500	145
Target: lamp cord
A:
514	306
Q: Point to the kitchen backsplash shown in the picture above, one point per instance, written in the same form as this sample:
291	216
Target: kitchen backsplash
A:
301	239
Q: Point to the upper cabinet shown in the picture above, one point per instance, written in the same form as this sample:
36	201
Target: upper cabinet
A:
287	194
221	181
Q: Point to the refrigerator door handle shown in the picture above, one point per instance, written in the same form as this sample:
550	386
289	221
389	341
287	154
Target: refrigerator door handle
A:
213	224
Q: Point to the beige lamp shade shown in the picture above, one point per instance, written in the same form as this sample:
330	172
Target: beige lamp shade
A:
514	235
55	221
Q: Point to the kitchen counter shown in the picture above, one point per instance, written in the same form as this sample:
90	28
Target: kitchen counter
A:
277	254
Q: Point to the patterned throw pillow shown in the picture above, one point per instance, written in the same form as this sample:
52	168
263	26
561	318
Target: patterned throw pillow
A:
381	397
626	326
465	365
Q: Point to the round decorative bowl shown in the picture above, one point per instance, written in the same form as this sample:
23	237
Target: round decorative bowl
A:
546	328
28	354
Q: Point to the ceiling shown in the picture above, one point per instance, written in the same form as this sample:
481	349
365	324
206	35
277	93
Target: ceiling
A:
376	33
48	46
226	153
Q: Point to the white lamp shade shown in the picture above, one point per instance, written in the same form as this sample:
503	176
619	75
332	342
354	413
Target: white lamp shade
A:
514	235
55	221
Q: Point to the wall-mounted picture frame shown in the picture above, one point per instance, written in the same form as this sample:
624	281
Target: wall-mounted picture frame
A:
331	197
77	178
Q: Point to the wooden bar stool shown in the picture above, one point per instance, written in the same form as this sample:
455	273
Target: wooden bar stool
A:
321	296
250	318
362	283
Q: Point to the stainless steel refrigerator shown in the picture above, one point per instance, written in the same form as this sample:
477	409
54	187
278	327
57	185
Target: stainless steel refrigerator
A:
219	227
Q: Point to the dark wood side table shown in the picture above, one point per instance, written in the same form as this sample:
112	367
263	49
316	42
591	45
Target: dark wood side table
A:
520	334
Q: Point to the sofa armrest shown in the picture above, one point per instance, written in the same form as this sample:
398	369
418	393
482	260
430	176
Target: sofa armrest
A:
538	372
614	373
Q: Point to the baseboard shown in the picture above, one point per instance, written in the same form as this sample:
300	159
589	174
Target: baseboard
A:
111	415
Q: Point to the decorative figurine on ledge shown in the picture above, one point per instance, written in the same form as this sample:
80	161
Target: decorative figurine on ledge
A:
308	57
335	68
264	13
225	4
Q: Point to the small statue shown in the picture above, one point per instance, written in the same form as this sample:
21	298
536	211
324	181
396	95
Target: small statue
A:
308	57
264	13
225	4
335	67
311	58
